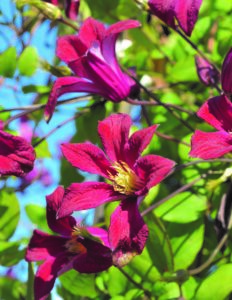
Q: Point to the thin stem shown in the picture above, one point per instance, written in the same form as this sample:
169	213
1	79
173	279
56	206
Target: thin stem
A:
155	103
200	161
59	126
170	138
207	263
178	191
138	285
68	23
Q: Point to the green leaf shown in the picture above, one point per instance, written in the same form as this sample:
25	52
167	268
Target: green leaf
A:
37	215
8	62
158	244
183	208
31	88
217	285
30	281
186	241
117	283
28	61
9	214
42	150
79	284
10	253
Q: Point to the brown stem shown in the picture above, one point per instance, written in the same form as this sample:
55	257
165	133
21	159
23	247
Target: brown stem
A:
68	23
200	161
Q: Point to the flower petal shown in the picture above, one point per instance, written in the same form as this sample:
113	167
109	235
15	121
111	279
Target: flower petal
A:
209	145
152	169
16	155
114	132
72	8
80	196
227	73
97	258
62	226
100	233
46	275
65	85
87	157
217	112
186	12
43	245
127	232
207	73
138	142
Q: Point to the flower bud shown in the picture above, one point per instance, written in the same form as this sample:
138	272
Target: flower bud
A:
226	77
206	72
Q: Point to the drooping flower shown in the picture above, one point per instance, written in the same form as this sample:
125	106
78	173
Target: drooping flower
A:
91	56
171	12
76	247
16	155
217	112
226	77
207	73
71	7
129	175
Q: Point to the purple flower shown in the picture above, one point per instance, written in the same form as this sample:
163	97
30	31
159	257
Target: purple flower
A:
207	73
76	247
130	177
226	77
183	12
217	112
71	7
16	155
91	56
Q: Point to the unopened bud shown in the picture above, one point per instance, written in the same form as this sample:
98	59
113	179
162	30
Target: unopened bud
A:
207	73
227	73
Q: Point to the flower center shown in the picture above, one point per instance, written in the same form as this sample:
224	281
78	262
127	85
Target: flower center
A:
74	246
125	181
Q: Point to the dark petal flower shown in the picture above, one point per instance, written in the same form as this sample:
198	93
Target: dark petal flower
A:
72	8
207	73
226	77
127	233
81	196
209	145
185	12
62	226
91	56
217	112
16	155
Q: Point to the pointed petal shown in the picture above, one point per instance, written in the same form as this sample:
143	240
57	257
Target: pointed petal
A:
87	157
97	258
100	233
186	12
65	85
47	274
209	145
80	196
122	26
227	73
217	112
43	245
138	142
164	10
208	75
127	232
114	132
16	155
152	169
62	226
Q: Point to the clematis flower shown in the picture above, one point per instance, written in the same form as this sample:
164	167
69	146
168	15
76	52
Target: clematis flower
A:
83	249
217	112
208	75
227	73
16	155
71	7
91	56
171	12
129	178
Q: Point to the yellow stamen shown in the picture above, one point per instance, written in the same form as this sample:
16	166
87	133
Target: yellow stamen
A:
125	181
74	246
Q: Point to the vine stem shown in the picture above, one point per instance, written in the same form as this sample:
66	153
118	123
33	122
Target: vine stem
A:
207	263
68	23
138	285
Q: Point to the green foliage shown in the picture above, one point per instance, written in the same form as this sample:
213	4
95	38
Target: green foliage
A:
37	214
28	61
8	62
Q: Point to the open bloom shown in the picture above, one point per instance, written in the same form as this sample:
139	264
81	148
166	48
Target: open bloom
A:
16	155
91	56
217	112
171	12
129	176
83	249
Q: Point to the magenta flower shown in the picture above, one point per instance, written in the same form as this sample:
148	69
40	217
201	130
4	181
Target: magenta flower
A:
16	155
183	12
217	112
83	249
208	75
91	56
226	77
129	176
